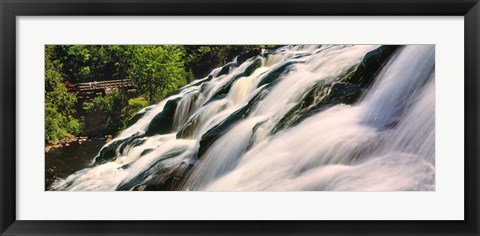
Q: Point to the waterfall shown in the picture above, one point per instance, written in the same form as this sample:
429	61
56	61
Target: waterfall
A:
298	118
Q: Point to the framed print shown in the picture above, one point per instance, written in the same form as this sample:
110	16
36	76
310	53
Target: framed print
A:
260	117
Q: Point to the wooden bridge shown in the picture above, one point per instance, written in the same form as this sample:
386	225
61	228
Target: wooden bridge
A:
104	87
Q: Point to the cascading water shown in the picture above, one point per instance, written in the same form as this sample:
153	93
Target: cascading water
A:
299	118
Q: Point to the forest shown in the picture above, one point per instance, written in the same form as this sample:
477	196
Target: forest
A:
154	70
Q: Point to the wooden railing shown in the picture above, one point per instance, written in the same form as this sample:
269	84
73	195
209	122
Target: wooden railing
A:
102	85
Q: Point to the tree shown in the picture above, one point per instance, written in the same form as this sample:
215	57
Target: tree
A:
157	70
115	107
59	103
86	63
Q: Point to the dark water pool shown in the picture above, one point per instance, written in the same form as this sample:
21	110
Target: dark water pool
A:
65	161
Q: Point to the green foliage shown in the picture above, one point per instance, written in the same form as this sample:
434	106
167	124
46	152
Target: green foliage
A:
137	103
157	70
117	109
59	103
85	63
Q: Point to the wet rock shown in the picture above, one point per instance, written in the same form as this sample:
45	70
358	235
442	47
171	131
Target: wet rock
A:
158	175
109	152
226	68
162	123
247	55
222	91
136	117
218	130
202	83
371	65
187	130
276	72
146	151
345	89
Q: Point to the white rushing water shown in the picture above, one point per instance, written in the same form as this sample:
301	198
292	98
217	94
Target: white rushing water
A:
292	119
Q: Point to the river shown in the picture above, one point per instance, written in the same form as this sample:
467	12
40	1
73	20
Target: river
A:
62	162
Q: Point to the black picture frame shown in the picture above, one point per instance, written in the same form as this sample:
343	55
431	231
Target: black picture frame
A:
470	9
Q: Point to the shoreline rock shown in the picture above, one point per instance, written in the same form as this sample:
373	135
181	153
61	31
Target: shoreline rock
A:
52	145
